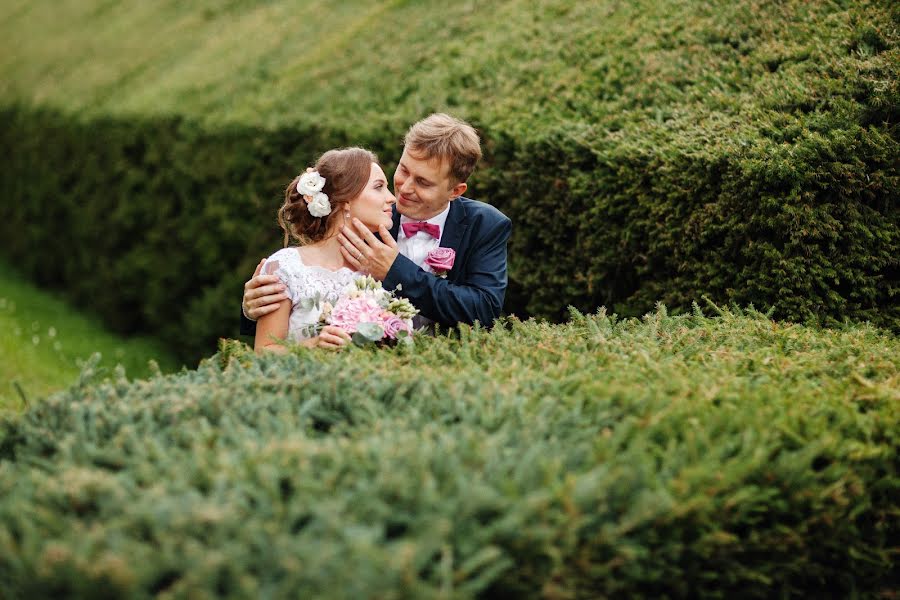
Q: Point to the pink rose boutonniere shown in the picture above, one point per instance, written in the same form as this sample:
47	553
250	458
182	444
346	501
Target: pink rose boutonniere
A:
441	260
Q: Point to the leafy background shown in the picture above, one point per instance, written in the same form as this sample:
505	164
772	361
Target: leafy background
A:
645	151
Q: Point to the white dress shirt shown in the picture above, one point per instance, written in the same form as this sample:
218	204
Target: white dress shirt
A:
420	244
417	248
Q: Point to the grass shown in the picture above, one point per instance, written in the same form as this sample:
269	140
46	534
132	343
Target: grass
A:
44	344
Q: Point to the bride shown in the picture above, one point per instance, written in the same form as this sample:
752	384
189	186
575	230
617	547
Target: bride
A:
344	185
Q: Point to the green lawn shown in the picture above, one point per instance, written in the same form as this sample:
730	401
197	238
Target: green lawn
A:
43	342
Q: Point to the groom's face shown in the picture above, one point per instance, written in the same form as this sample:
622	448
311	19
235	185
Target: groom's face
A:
424	187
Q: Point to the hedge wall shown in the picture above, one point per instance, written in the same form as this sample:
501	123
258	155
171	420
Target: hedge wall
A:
155	225
667	457
672	153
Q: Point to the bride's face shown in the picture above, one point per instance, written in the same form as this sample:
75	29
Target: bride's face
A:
373	205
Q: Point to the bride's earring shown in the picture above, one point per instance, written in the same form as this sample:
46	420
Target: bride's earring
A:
347	216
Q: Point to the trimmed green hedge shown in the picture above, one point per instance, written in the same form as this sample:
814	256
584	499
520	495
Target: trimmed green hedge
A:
155	225
810	227
644	153
665	457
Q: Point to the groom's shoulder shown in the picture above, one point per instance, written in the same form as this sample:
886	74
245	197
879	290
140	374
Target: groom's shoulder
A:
482	211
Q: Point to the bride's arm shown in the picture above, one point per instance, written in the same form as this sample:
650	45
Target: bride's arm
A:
272	329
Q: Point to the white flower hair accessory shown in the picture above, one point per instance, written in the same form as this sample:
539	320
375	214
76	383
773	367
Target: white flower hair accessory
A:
318	205
310	186
311	183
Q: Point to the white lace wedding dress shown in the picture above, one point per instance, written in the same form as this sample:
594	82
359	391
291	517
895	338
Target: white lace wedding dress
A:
308	287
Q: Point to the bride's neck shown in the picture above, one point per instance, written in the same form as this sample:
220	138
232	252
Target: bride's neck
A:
329	250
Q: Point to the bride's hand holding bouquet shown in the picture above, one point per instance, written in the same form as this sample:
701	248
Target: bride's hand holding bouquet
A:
369	314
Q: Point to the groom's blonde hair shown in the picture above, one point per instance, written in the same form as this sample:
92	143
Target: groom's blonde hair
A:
448	139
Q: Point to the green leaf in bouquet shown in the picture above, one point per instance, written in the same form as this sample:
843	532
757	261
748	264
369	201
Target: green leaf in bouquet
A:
367	333
312	330
310	302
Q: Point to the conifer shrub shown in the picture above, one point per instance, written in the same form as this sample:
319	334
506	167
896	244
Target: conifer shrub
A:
645	152
685	456
158	227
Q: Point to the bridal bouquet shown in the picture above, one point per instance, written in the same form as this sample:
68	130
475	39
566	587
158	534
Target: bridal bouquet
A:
371	314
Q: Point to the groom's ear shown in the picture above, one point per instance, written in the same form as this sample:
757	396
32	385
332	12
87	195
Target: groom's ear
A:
458	190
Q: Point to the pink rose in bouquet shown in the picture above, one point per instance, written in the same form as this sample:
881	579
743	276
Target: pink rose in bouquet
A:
441	260
393	325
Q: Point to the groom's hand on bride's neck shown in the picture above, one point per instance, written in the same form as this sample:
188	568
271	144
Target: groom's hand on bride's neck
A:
365	252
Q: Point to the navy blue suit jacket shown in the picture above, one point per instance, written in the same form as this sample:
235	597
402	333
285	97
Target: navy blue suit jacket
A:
474	288
476	285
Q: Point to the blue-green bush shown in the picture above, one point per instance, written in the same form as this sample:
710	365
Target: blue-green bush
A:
664	457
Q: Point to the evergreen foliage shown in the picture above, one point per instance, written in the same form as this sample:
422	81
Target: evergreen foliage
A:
669	456
645	151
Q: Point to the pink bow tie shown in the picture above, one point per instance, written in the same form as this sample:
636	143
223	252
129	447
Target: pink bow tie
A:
410	229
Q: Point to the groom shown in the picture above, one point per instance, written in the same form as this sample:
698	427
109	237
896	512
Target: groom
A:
431	218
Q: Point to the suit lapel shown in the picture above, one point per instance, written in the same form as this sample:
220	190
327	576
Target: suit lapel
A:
454	230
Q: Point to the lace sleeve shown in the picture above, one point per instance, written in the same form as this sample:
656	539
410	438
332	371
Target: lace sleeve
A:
307	286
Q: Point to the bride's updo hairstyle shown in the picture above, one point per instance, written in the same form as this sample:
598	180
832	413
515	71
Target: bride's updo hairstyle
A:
346	172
